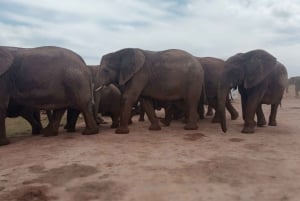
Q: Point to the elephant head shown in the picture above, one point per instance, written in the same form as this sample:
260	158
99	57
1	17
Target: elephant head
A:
119	67
6	60
248	69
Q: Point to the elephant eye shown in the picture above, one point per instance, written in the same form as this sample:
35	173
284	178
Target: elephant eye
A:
106	71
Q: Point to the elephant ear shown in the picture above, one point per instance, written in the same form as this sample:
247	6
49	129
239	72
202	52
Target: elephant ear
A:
132	61
6	60
258	65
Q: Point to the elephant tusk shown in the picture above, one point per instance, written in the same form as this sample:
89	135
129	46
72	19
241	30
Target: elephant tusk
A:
99	88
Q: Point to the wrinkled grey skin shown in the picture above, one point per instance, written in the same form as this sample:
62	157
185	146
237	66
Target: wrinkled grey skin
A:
213	68
261	79
32	115
166	75
107	102
294	81
45	78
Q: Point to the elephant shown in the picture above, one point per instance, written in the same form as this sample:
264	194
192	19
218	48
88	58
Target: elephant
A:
163	75
294	81
50	78
30	114
261	79
213	68
107	102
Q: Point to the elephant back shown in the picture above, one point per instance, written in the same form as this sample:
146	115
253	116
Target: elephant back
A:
6	60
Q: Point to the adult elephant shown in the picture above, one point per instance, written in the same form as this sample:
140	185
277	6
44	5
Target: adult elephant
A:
32	115
45	78
294	81
164	75
107	102
260	80
213	68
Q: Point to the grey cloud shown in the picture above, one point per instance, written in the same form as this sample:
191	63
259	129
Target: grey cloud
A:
205	28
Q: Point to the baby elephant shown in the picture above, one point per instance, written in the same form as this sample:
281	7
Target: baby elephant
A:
107	102
110	103
32	115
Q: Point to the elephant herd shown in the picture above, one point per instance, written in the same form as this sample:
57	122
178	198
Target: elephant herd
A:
55	79
294	81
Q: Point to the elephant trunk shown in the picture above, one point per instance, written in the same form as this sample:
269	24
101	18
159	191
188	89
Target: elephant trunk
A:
223	91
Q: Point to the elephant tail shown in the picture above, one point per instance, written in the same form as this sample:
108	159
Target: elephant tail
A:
93	95
203	97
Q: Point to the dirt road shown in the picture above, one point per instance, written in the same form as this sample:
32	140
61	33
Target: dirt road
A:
171	164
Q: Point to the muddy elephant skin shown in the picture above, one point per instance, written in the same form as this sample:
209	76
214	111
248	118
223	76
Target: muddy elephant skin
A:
165	75
49	78
261	79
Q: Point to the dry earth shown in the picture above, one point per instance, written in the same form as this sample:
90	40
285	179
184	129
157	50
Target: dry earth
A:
171	164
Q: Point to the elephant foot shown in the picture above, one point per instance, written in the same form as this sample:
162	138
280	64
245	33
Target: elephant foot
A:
36	131
154	127
272	123
234	116
90	131
261	123
248	130
69	128
4	141
47	132
191	127
165	122
122	131
114	125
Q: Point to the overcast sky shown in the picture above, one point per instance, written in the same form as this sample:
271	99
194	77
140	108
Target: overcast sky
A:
218	28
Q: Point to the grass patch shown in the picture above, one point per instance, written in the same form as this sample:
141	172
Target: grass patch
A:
20	127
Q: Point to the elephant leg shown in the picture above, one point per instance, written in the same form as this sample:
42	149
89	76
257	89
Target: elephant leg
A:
72	116
273	114
243	102
49	114
192	106
3	138
209	111
142	113
115	120
4	100
169	110
234	114
125	114
33	117
253	101
296	91
261	121
98	116
217	117
249	123
52	127
91	124
149	109
201	111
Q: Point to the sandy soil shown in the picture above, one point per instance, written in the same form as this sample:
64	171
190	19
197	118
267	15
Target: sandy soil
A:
171	164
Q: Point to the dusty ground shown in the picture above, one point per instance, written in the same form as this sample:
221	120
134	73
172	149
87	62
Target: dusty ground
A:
172	164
